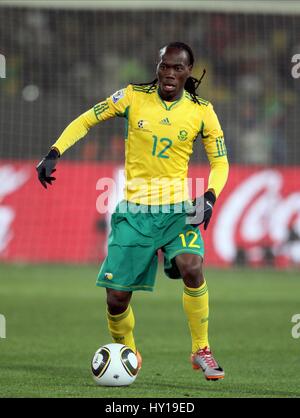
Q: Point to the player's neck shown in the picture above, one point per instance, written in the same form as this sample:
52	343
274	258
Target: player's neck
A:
170	97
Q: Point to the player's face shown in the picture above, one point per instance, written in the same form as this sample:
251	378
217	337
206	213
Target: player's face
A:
173	69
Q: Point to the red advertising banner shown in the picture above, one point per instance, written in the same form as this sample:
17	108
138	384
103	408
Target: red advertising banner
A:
256	220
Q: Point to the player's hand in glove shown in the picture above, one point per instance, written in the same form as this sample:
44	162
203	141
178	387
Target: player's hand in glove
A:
46	167
202	209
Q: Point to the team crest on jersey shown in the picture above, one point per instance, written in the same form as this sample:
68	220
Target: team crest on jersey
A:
182	135
118	95
108	276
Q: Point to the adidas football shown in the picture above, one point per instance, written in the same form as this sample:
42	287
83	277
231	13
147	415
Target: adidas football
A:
114	365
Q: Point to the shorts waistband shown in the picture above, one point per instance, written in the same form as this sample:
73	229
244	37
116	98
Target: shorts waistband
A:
180	207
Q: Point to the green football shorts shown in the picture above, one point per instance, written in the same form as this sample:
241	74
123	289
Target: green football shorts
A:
135	238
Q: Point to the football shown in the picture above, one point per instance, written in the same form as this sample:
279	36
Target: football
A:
114	365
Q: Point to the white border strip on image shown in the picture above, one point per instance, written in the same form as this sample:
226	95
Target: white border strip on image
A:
226	6
2	326
2	66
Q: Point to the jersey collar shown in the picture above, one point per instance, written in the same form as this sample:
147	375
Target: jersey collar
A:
169	105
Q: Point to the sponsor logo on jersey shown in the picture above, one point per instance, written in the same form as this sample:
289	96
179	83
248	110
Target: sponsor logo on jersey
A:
182	135
117	95
165	121
143	125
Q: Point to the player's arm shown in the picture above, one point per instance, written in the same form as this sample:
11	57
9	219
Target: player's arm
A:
213	140
214	144
115	105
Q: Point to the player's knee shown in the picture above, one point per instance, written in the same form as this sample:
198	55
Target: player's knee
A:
117	301
192	273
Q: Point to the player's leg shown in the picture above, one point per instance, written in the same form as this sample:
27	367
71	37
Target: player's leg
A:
130	265
120	319
195	298
117	301
195	303
184	259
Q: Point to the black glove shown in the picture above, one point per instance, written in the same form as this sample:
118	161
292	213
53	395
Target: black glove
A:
202	209
47	166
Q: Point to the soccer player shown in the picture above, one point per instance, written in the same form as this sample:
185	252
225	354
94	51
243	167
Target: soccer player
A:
163	120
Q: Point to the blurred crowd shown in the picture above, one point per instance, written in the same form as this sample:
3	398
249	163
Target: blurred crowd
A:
62	62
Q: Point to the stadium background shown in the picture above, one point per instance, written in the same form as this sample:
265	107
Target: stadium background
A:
56	69
61	59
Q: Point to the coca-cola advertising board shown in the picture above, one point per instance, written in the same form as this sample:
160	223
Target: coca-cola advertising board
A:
256	220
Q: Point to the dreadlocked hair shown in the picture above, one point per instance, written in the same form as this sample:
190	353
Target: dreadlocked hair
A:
191	86
192	83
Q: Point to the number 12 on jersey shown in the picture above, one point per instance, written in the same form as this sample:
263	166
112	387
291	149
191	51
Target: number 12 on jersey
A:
167	143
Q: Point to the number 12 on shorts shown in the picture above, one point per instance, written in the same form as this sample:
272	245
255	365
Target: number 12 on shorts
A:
188	239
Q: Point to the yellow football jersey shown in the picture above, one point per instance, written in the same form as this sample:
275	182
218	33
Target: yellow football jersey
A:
159	141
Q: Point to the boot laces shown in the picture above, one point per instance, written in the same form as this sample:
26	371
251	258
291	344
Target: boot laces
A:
206	354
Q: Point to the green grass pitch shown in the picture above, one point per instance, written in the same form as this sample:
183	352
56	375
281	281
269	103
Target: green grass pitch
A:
55	321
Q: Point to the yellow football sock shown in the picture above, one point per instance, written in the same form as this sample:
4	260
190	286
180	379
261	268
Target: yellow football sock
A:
195	304
121	328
